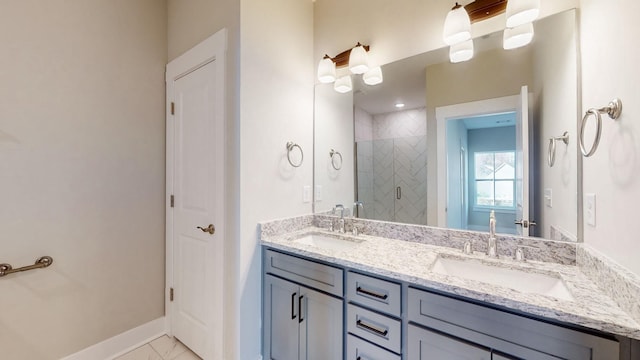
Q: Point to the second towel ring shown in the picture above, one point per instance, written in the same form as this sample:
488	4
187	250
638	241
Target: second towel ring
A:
335	155
290	146
614	109
551	155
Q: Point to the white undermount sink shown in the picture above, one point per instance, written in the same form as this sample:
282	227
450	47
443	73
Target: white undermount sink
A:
520	280
327	242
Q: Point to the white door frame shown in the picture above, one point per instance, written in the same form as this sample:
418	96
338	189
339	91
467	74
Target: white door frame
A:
213	48
460	111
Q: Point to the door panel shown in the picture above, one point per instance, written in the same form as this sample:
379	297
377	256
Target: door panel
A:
197	185
522	162
281	317
321	329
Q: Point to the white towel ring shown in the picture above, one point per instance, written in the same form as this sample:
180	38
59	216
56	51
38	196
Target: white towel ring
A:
614	109
290	146
551	155
335	155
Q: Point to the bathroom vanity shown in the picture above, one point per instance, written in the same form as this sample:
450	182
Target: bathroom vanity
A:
334	296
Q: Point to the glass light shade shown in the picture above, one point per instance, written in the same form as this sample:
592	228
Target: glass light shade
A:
358	61
343	84
326	71
461	52
517	37
457	26
520	12
373	76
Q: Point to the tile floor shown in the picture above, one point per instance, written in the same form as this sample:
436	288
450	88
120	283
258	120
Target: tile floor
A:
162	348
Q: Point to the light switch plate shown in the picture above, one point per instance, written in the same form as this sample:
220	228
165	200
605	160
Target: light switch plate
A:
548	197
306	194
318	192
590	209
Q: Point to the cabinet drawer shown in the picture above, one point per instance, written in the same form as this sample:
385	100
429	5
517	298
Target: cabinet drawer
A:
425	344
374	293
379	329
322	277
505	332
358	349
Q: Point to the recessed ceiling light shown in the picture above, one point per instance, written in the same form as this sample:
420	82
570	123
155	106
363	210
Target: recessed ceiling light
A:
399	105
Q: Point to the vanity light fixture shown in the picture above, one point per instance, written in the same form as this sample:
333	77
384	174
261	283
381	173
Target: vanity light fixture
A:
399	105
461	52
520	12
518	36
326	70
357	60
343	84
457	26
373	76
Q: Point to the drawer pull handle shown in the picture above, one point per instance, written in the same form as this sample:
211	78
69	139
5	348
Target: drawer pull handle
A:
371	328
293	304
300	319
371	293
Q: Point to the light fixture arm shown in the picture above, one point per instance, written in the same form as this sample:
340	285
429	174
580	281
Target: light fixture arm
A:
342	59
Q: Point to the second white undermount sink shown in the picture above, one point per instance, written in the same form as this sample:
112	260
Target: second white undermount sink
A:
327	242
519	280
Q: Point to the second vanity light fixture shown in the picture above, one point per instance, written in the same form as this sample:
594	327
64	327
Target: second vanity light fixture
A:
518	31
358	62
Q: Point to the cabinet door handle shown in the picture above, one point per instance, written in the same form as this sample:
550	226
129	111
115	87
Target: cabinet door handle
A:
293	304
300	319
371	328
398	193
371	293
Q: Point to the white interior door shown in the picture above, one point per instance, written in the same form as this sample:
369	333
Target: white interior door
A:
195	87
522	163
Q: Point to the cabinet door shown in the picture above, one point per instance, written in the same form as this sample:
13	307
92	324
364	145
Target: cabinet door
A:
424	344
321	326
281	316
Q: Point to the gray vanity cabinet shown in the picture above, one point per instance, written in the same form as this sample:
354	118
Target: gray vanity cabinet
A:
301	323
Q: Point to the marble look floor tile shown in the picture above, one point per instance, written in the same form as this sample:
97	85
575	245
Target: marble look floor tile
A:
188	355
168	347
145	352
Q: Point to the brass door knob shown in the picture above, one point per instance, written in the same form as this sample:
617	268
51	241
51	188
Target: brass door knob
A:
209	229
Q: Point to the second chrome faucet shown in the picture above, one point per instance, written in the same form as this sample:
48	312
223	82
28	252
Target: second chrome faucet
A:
492	246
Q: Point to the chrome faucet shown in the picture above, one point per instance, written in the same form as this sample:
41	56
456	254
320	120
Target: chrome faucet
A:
492	246
357	207
341	220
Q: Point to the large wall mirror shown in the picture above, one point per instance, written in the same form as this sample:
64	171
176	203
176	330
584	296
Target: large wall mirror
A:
470	138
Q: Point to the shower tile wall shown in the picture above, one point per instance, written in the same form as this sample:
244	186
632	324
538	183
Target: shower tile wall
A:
396	156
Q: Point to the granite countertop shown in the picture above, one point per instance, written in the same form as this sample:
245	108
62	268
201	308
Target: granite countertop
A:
411	262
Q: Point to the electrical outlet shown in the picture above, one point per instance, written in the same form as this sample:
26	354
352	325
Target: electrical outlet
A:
318	192
590	209
306	194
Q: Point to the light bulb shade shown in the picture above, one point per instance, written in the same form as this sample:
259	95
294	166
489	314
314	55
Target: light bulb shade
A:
457	26
520	12
517	37
343	84
461	52
373	76
326	71
358	60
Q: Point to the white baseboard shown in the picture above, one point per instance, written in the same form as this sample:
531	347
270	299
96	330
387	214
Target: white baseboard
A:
122	343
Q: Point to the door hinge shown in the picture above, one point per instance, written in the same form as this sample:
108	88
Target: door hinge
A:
170	294
173	108
172	200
